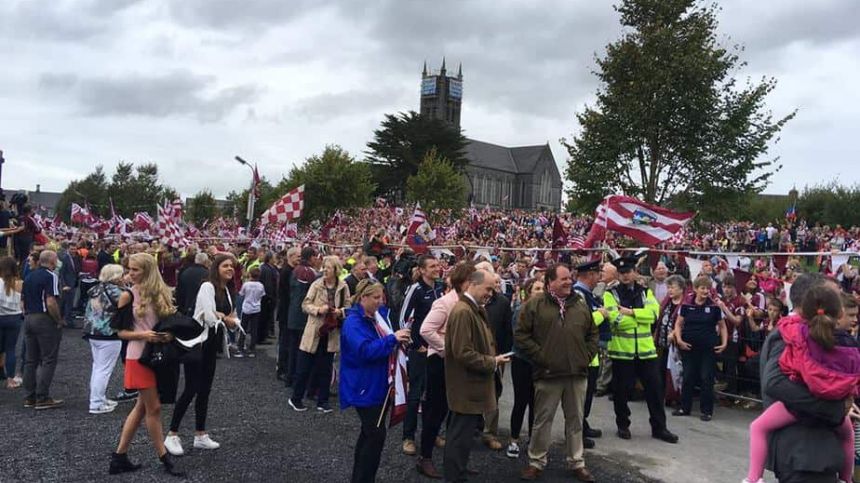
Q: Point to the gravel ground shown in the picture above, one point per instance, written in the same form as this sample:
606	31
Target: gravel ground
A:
262	438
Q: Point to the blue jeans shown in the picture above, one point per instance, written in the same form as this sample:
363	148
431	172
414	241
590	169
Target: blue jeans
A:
10	325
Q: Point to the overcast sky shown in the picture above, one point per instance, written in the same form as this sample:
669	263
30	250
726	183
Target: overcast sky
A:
188	84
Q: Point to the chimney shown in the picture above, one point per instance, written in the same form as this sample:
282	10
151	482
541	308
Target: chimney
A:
38	188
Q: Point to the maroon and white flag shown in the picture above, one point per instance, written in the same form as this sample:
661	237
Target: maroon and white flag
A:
289	207
142	221
168	231
648	224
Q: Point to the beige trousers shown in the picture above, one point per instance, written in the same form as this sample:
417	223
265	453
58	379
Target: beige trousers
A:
570	392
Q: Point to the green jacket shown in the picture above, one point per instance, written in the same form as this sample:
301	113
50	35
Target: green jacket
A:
631	334
556	347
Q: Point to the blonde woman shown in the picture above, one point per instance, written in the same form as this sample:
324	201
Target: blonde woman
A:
325	303
104	341
367	342
150	298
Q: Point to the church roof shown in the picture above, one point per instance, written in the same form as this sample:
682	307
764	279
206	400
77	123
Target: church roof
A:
521	159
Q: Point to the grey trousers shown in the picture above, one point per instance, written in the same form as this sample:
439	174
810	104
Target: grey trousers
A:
42	335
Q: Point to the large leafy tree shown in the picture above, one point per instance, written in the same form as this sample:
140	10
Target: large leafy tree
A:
333	180
202	207
91	190
437	184
402	142
131	189
670	123
268	195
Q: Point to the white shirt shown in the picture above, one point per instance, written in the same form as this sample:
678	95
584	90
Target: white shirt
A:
253	292
10	304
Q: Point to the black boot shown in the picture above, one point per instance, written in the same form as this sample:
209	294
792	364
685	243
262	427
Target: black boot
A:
119	463
170	466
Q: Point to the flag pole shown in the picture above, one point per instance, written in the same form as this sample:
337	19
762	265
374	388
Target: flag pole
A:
384	406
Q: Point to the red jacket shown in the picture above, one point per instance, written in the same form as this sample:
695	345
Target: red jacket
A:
833	374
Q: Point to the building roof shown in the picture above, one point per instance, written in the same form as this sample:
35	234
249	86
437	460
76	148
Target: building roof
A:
38	199
516	160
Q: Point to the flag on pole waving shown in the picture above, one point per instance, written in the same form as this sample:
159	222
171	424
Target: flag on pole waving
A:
648	224
289	207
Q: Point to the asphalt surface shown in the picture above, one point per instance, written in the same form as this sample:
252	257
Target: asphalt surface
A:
261	438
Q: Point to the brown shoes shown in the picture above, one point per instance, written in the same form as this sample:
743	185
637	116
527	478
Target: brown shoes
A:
531	473
582	474
492	442
409	447
426	468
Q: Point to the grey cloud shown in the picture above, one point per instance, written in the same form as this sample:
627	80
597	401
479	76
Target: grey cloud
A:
239	14
534	59
50	20
327	107
178	93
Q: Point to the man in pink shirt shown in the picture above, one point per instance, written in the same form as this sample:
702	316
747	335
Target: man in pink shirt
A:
433	331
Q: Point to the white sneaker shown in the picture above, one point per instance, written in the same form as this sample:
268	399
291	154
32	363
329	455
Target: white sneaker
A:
104	408
174	445
111	402
760	480
205	442
513	450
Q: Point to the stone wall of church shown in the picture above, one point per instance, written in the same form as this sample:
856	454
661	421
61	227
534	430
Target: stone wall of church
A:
495	188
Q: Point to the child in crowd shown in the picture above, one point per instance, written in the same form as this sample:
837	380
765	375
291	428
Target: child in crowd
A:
252	293
824	356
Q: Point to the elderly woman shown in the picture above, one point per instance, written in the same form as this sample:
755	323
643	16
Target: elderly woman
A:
368	343
664	329
104	341
325	303
696	329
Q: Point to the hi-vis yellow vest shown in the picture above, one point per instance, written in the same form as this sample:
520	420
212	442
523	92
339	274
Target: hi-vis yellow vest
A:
598	319
631	335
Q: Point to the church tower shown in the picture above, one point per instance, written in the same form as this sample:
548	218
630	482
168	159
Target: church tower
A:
442	95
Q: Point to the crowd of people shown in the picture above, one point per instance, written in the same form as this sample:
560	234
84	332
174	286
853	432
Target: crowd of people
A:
568	328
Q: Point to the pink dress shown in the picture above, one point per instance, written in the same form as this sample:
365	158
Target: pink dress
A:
146	323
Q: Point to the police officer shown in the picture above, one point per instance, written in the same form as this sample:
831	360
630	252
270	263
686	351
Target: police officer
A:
587	276
632	309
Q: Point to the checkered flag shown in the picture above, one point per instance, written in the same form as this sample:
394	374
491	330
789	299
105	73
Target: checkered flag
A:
167	229
287	208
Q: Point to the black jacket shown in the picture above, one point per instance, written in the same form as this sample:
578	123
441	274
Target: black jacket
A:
167	374
499	315
187	286
284	295
269	279
811	444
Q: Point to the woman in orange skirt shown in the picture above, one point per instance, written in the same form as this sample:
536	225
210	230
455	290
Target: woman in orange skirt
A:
139	311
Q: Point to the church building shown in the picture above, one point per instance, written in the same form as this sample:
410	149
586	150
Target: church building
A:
523	177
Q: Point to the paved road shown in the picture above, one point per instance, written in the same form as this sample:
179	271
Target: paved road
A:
262	439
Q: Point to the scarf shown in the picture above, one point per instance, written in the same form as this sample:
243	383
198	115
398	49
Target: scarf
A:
560	301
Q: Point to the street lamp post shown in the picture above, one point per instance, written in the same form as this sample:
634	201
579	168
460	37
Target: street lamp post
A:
251	200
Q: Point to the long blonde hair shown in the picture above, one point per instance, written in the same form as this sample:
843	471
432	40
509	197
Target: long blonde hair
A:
152	289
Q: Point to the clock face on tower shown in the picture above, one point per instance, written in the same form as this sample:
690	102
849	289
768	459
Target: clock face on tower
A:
428	86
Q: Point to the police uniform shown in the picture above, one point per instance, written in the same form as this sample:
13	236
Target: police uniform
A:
633	352
594	305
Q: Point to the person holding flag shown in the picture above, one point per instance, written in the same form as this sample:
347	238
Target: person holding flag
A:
369	352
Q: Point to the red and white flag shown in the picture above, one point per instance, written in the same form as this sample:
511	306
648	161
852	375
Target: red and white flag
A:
289	207
419	232
398	380
256	182
175	212
648	224
79	213
166	228
142	221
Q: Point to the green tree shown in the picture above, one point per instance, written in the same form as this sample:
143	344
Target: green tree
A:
91	190
202	207
670	121
830	203
333	180
401	144
437	184
130	189
267	197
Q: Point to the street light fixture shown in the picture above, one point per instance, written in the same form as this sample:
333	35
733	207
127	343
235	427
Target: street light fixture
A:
251	200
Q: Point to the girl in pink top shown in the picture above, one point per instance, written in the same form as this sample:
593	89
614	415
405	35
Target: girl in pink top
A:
821	356
150	298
